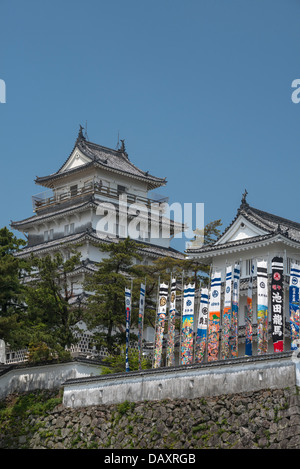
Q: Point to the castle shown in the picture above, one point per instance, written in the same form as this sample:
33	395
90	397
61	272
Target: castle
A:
85	202
97	196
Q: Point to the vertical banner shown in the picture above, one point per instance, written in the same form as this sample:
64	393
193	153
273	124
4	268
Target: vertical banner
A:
234	341
262	307
294	304
277	303
214	317
161	318
187	325
170	360
226	320
202	327
249	316
141	324
128	316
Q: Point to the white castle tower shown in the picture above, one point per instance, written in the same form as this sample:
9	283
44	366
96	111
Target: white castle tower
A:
81	205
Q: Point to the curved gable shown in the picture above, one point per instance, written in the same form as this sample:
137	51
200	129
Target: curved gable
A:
77	158
240	229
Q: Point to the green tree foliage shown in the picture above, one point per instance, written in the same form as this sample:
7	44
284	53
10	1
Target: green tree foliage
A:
185	270
10	284
51	313
105	306
11	288
115	363
41	314
212	232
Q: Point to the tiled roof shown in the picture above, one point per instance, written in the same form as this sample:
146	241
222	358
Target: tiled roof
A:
271	224
237	243
106	158
150	249
66	207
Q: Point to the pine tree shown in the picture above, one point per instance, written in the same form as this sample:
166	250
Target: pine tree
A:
51	315
12	290
106	303
164	267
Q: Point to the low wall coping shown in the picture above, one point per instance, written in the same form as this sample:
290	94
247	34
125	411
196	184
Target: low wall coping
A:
241	374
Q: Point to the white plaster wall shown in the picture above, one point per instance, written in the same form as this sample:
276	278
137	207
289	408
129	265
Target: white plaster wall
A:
184	382
267	253
44	377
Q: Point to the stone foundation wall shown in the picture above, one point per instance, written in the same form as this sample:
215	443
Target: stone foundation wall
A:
269	418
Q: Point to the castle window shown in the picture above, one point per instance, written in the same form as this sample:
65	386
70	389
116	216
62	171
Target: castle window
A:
69	229
73	190
121	189
248	266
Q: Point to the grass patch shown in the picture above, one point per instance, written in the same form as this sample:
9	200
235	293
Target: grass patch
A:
34	403
199	428
125	407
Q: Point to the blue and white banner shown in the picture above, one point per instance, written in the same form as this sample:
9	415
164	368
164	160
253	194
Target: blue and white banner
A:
294	305
226	322
201	337
235	310
214	315
128	319
141	323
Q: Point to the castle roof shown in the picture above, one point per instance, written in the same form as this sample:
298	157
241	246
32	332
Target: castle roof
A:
266	228
106	158
52	212
151	250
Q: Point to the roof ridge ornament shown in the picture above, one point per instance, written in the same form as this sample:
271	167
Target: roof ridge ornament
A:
244	201
80	133
123	149
244	197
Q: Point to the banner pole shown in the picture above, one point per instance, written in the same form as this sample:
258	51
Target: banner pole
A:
181	316
156	322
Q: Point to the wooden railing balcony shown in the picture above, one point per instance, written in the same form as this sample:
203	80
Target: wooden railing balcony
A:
47	199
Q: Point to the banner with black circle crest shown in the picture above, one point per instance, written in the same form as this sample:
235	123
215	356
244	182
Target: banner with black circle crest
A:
201	337
226	318
160	324
262	307
277	303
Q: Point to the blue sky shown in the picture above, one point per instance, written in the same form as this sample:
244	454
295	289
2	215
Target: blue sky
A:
199	89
